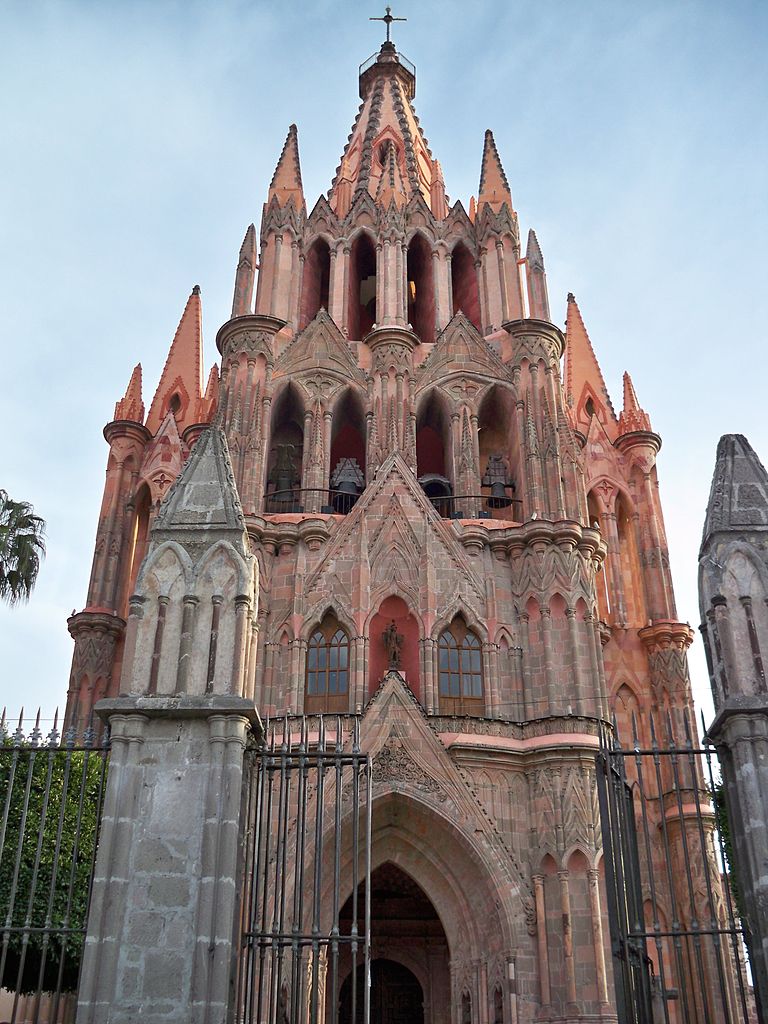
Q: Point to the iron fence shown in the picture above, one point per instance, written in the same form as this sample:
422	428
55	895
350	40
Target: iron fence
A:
51	793
307	841
678	946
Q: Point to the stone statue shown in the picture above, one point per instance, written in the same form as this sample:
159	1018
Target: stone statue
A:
393	644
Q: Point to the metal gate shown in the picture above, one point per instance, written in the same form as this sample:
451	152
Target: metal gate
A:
51	793
677	942
307	848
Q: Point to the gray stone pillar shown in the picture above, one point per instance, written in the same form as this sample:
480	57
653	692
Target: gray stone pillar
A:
161	936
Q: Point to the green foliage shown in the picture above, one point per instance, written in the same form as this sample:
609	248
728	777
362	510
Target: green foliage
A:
22	545
52	800
724	827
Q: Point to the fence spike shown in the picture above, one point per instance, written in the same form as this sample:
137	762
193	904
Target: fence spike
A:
89	735
53	735
36	735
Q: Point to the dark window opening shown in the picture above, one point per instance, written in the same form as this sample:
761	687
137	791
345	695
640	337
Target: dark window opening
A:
362	287
421	290
285	454
316	282
465	293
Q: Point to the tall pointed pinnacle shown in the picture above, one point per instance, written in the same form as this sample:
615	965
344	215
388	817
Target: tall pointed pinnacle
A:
242	302
130	406
738	498
181	382
286	181
585	390
204	495
536	278
494	187
386	118
632	417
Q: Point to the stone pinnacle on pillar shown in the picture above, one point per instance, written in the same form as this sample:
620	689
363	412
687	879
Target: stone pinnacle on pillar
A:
632	417
286	181
494	187
181	382
131	406
536	277
585	390
245	275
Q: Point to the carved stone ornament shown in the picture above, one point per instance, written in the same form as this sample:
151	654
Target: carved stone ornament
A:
393	764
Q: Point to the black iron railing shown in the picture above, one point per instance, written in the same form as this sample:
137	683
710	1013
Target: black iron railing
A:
678	945
340	503
477	506
51	794
309	499
307	851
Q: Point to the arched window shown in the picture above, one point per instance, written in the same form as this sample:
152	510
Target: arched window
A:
327	681
316	283
460	670
465	294
498	1006
361	315
421	291
466	1008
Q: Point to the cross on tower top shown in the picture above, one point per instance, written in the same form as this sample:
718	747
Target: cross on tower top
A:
388	19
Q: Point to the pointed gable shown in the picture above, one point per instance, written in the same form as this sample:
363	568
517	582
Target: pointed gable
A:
320	345
585	390
286	181
204	496
738	498
131	407
182	376
494	187
460	349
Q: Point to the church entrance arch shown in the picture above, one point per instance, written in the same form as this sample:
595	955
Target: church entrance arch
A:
409	953
396	995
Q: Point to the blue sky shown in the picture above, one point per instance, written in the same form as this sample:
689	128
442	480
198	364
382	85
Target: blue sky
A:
139	139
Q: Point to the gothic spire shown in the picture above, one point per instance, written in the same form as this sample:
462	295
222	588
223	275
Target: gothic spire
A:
245	274
130	406
286	181
632	416
385	121
585	390
738	498
536	277
494	187
181	382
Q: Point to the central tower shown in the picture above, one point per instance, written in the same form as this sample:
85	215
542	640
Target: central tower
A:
405	510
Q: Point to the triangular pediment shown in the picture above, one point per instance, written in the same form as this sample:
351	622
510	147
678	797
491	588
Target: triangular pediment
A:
321	345
322	218
458	223
409	758
204	496
460	349
396	531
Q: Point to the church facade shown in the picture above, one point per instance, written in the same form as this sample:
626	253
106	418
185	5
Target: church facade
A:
437	522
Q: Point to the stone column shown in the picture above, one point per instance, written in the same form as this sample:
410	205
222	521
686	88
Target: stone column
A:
161	926
541	941
565	911
597	937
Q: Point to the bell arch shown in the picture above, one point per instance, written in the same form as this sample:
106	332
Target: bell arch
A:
286	450
347	465
421	288
363	290
434	451
500	461
316	281
465	293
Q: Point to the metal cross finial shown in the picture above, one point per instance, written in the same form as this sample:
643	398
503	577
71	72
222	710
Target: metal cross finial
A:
388	19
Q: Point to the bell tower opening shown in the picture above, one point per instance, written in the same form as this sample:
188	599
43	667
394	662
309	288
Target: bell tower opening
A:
465	294
347	452
316	282
362	287
432	454
286	453
405	930
421	290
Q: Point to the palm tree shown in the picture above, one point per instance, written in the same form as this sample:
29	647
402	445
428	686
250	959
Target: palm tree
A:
22	545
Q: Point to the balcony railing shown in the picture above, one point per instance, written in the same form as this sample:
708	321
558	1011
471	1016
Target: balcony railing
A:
340	503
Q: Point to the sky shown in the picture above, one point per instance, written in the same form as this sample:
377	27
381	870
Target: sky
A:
138	141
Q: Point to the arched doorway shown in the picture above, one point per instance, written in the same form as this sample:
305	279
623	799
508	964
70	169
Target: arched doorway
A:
405	930
396	995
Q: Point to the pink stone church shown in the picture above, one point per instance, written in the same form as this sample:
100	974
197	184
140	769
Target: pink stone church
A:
450	532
